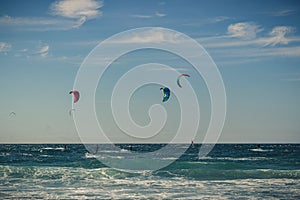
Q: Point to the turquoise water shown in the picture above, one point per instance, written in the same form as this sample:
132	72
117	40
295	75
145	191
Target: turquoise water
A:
229	171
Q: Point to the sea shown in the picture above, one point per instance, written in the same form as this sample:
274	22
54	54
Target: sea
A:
229	171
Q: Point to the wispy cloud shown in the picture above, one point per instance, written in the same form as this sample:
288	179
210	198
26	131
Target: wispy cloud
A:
257	53
242	41
291	79
281	13
277	52
142	16
44	51
205	21
84	43
5	47
77	9
245	34
245	30
218	19
160	14
40	50
225	42
36	49
154	35
36	23
25	21
293	76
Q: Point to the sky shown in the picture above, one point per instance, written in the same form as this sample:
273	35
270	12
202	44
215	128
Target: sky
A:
254	44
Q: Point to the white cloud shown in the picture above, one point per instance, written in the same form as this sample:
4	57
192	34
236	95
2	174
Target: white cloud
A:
278	35
245	30
71	10
77	9
4	47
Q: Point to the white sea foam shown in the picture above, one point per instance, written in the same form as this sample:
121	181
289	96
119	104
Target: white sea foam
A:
88	155
124	151
102	156
4	154
51	148
235	159
45	155
261	150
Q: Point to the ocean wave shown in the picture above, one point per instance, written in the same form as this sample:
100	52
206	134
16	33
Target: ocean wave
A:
229	171
80	183
55	173
229	174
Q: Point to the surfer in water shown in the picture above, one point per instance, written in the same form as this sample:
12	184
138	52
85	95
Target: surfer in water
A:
192	143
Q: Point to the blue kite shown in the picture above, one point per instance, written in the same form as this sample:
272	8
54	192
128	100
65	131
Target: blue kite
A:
166	92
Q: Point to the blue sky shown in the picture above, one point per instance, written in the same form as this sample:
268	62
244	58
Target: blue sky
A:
255	44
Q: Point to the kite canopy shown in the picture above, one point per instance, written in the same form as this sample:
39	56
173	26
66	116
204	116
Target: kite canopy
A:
76	95
179	77
166	92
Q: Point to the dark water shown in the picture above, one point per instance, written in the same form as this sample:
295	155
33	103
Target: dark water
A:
229	171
